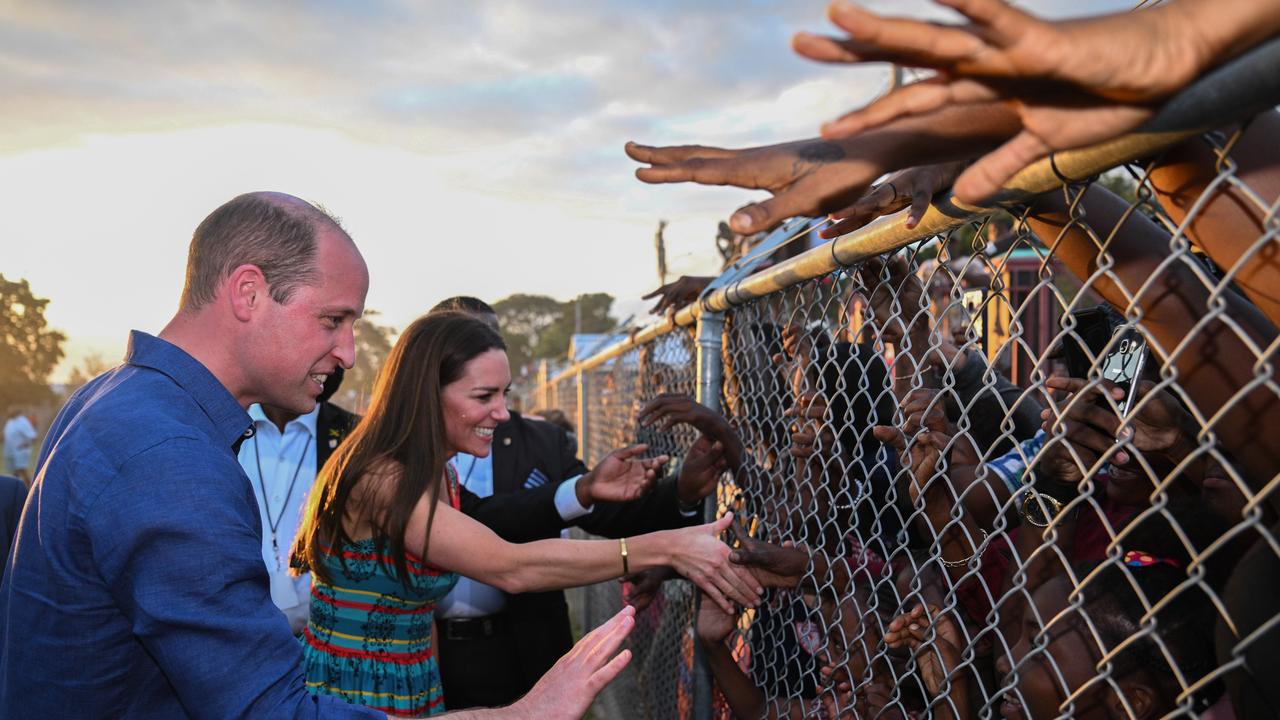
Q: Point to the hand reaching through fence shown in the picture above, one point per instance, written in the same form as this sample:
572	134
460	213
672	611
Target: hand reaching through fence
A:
704	560
701	470
670	409
912	188
935	641
1218	335
1072	83
678	293
640	589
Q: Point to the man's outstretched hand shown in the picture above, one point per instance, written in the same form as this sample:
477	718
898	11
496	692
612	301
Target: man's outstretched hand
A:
621	476
571	685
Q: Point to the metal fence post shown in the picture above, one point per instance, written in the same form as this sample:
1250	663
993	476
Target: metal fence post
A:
710	375
584	405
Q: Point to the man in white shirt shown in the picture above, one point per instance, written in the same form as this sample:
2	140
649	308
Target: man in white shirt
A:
19	438
282	459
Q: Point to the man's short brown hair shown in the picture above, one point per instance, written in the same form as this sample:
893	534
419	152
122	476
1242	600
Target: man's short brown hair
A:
254	229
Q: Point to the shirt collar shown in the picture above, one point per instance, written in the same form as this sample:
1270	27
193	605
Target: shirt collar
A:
306	422
230	420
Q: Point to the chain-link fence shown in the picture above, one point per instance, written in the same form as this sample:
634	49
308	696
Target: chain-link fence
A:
1015	462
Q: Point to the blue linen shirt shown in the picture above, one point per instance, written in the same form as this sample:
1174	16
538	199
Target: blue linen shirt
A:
136	587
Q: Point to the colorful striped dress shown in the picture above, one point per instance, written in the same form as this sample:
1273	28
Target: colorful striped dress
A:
369	639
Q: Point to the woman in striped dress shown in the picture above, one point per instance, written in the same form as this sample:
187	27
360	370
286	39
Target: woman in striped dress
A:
384	536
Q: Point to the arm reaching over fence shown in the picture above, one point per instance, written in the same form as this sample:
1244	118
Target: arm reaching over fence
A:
816	176
1072	83
1225	214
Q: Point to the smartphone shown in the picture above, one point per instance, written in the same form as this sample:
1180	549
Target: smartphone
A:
1123	364
1094	327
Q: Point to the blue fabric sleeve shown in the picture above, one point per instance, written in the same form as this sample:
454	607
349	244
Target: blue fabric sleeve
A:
176	537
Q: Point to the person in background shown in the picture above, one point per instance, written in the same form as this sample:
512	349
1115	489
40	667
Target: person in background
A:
19	437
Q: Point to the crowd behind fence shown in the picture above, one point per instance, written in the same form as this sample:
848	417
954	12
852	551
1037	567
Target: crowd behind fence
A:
1019	456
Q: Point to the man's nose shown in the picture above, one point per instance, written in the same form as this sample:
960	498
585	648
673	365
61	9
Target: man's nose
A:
345	350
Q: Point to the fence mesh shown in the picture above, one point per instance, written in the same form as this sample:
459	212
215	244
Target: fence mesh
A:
1026	464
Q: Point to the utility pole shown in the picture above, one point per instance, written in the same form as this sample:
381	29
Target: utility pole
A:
660	244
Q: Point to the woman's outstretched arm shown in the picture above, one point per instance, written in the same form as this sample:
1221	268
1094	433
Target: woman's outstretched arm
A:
465	546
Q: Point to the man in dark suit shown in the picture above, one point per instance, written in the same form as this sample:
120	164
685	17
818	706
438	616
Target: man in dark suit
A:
493	647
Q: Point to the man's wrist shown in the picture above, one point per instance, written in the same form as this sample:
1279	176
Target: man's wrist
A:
582	489
567	503
688	508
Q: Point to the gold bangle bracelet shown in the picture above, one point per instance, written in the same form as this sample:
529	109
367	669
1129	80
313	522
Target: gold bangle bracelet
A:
622	543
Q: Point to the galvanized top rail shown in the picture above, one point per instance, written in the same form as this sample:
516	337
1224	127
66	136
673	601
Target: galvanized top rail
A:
1237	90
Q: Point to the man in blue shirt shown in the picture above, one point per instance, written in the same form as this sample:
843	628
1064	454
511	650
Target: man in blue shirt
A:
136	587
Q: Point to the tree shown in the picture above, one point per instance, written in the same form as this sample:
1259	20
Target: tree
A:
30	351
90	367
373	344
595	318
537	326
524	318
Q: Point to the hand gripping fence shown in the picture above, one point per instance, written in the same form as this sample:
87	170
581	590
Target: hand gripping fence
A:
1028	453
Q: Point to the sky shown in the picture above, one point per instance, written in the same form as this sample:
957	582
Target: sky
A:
469	148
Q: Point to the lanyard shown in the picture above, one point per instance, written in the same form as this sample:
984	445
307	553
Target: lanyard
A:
466	481
266	504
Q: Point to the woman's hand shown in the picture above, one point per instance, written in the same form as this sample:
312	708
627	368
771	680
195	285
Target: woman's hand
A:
698	554
621	476
925	452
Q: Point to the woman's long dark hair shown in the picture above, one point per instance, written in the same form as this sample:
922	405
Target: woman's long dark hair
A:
400	441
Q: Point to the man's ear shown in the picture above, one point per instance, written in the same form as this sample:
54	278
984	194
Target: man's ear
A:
247	291
1141	697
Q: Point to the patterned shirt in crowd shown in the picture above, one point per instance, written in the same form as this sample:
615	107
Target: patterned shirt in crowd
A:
136	587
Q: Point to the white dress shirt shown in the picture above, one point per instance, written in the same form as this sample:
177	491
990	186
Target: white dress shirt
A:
288	470
472	598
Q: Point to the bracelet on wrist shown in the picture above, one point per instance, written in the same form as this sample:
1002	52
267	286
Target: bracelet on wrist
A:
961	563
622	546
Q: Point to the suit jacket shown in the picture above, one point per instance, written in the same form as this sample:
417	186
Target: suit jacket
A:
332	426
530	460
